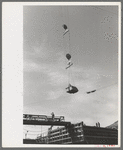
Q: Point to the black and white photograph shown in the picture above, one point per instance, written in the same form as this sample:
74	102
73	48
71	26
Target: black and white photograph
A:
71	74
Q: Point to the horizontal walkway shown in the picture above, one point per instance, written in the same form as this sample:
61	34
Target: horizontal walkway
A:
54	123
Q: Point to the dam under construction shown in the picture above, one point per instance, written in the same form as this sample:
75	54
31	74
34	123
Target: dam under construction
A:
69	133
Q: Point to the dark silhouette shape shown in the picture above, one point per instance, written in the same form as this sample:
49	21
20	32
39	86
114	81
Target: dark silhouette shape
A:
72	89
68	56
65	27
91	91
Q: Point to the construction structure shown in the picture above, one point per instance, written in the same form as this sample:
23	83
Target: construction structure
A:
29	119
70	133
80	134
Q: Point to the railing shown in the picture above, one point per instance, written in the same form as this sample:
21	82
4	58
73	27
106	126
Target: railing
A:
43	118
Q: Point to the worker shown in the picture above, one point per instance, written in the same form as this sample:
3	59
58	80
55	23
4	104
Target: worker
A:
98	124
53	116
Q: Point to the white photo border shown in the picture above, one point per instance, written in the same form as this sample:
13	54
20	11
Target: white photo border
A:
12	71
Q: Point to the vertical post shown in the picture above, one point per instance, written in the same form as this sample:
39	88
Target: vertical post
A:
41	134
26	135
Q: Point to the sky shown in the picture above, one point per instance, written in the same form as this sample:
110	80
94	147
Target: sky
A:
93	45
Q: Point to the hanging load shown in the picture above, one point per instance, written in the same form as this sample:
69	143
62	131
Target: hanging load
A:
69	65
91	91
71	89
68	56
66	29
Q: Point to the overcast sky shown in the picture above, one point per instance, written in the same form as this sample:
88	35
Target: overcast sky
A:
94	50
